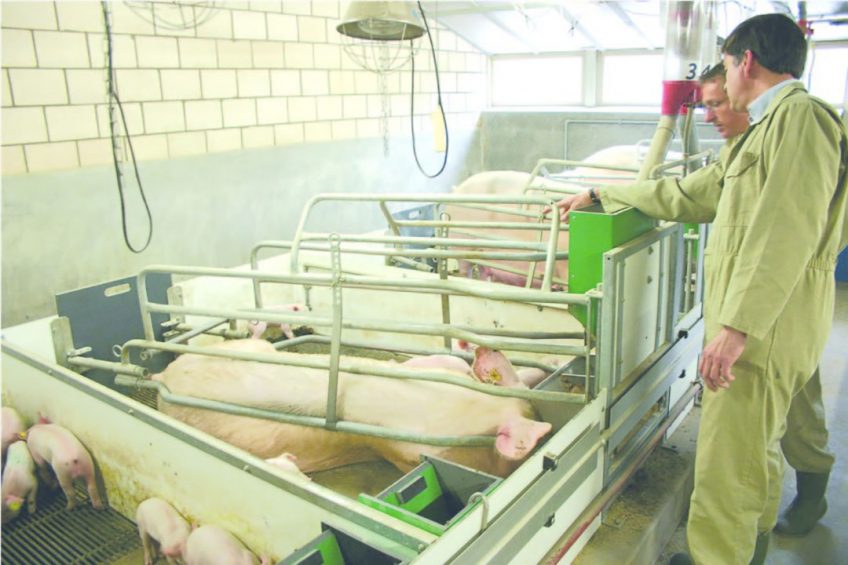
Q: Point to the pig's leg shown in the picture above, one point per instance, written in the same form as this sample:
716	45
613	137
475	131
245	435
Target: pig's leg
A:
256	329
93	492
31	497
287	331
147	544
83	468
66	481
45	473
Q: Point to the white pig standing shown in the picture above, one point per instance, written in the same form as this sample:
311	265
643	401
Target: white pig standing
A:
19	482
53	445
512	183
13	425
211	545
162	530
421	407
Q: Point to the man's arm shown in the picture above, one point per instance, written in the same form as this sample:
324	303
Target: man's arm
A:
691	199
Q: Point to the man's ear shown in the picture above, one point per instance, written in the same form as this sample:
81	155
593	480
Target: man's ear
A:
748	62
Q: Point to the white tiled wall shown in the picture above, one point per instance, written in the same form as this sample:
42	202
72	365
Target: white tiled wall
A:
250	74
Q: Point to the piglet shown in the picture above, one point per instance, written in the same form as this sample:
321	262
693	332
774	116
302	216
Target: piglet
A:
162	530
19	483
531	376
211	545
257	328
53	445
287	463
13	425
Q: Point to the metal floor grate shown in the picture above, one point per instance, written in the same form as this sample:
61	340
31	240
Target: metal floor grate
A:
55	535
146	396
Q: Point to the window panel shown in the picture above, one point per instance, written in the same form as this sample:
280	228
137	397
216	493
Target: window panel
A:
632	80
537	81
829	67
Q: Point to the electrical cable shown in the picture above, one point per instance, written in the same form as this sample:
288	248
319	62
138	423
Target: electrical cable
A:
439	98
114	100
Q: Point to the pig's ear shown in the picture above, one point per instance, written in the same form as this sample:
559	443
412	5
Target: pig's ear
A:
517	438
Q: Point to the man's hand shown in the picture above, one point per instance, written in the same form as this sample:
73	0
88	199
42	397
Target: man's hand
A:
719	356
569	203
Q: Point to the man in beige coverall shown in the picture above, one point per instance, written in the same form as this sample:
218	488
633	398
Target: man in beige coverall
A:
778	203
805	442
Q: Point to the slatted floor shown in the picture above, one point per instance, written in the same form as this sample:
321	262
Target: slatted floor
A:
56	535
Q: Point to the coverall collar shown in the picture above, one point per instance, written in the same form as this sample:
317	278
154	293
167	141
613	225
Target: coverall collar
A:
758	108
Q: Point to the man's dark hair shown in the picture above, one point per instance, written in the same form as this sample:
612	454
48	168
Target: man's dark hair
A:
716	70
775	40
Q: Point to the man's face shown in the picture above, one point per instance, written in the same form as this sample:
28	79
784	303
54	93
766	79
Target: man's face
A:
733	84
726	121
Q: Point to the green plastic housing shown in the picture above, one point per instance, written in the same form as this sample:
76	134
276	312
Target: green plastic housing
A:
593	232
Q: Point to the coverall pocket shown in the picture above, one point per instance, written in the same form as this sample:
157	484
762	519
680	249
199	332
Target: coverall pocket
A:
741	164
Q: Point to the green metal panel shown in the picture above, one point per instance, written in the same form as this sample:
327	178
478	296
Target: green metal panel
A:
428	490
324	550
592	233
401	514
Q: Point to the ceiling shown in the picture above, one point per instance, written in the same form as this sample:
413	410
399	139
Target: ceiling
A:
504	28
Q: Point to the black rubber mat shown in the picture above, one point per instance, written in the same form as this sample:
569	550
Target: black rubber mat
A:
56	535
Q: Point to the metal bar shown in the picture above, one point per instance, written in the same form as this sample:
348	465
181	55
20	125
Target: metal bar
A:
513	270
389	219
496	292
430	241
119	368
469	224
532	252
415	351
498	210
662	167
348	367
394	327
296	419
445	298
335	337
208	329
550	261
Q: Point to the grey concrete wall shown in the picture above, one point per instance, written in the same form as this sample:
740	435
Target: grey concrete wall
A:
516	140
62	230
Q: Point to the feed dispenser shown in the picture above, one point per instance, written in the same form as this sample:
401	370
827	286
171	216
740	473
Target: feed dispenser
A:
434	495
337	547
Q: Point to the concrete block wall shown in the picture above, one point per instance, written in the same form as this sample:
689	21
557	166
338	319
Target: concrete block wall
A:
236	123
248	75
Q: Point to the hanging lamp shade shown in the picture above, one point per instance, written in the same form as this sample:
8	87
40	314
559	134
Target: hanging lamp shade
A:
381	21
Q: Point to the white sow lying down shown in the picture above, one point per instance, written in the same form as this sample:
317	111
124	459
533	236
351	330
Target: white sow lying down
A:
425	408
